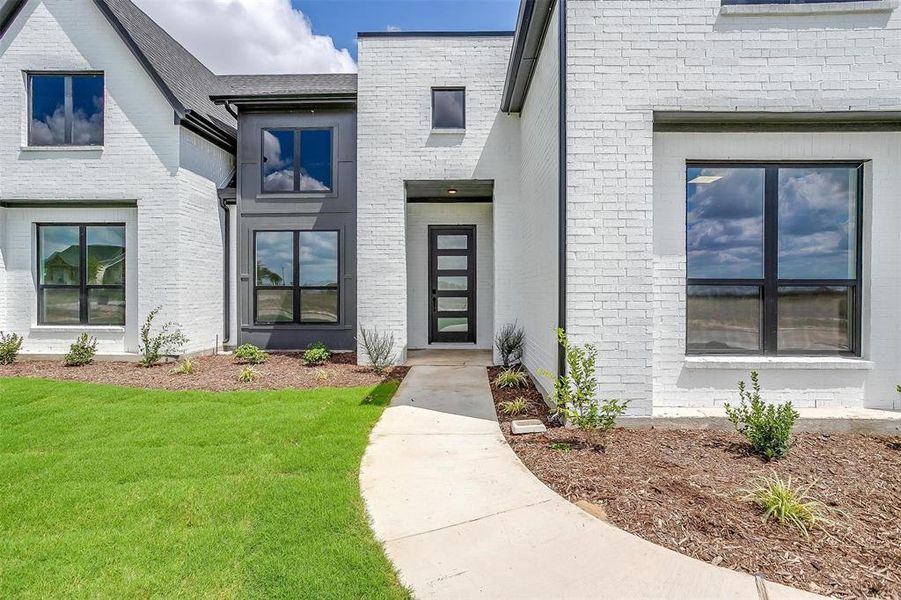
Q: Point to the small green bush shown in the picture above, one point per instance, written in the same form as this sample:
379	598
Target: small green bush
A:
167	342
767	427
514	407
186	367
787	504
10	344
248	353
316	354
248	375
82	352
511	378
510	344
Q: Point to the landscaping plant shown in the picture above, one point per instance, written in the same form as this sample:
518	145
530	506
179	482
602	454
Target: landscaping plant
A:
316	354
10	344
321	375
510	344
248	353
514	407
248	375
82	352
186	367
511	378
767	427
379	349
787	504
167	342
575	391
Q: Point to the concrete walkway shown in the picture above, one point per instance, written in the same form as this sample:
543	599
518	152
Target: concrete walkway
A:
461	517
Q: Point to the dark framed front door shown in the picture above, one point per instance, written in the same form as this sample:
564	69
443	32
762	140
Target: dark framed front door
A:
452	284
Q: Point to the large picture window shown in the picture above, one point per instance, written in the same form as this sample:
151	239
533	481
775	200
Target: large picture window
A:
81	274
296	277
65	110
773	259
297	160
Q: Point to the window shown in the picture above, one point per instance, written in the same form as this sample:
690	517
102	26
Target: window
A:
65	110
773	259
448	108
297	160
296	277
81	274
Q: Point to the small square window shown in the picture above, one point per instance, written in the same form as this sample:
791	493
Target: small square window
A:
65	110
448	108
297	160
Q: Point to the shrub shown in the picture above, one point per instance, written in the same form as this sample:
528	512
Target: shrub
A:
316	354
511	378
379	349
248	353
561	447
767	427
575	391
82	352
787	504
510	343
321	375
10	344
167	342
514	407
185	368
248	375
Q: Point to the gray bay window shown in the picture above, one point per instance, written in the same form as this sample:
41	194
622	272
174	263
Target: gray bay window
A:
65	109
296	277
81	274
773	258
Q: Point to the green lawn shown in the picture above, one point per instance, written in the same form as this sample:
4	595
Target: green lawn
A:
115	492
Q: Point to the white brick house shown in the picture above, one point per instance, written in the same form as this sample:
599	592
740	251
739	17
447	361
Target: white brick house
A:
698	188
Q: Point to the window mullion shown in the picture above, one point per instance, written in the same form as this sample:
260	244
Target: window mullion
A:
83	272
296	286
297	160
771	261
69	110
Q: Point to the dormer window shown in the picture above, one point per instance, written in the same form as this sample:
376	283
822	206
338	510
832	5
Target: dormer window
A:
65	110
448	108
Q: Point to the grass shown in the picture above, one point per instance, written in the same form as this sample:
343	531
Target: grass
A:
787	504
114	492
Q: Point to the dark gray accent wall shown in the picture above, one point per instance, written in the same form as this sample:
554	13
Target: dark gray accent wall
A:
333	210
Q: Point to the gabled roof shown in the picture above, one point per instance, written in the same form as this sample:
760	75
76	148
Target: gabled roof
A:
182	79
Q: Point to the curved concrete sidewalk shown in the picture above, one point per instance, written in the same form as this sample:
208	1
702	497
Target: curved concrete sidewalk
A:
461	517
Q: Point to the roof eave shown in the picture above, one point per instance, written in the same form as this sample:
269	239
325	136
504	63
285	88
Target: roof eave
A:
531	27
284	100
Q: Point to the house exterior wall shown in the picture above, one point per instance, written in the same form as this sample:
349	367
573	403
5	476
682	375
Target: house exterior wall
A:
419	217
140	164
627	59
395	143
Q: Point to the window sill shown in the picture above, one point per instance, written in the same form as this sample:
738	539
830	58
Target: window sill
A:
777	362
818	8
77	328
82	149
448	131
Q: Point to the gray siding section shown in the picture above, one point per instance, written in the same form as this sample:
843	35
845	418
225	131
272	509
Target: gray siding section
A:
335	210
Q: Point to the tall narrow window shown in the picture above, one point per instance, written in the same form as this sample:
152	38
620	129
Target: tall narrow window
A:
448	108
773	259
65	110
296	277
81	274
297	160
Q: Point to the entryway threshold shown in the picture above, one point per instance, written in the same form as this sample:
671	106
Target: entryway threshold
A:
434	357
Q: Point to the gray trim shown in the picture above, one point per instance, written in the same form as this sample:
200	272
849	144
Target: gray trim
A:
450	200
562	181
30	203
762	121
300	99
8	13
531	27
435	34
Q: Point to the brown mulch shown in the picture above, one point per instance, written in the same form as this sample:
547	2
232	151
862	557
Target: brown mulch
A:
212	373
681	489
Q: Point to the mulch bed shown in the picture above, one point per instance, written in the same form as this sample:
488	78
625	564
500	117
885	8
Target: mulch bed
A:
681	489
212	373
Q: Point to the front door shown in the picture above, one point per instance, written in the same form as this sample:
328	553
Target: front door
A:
452	282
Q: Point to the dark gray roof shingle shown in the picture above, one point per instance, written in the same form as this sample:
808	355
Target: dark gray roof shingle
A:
281	85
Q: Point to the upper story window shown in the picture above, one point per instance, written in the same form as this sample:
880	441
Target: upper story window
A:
774	259
448	108
65	110
297	160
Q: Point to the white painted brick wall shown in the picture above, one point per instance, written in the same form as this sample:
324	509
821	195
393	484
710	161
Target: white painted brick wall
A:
394	144
628	58
419	217
141	161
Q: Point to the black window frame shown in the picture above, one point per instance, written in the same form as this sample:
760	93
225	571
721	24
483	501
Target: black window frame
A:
83	287
297	161
69	106
449	89
296	288
770	283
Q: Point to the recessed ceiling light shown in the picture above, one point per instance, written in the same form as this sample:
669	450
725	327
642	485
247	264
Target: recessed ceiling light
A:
706	179
452	191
